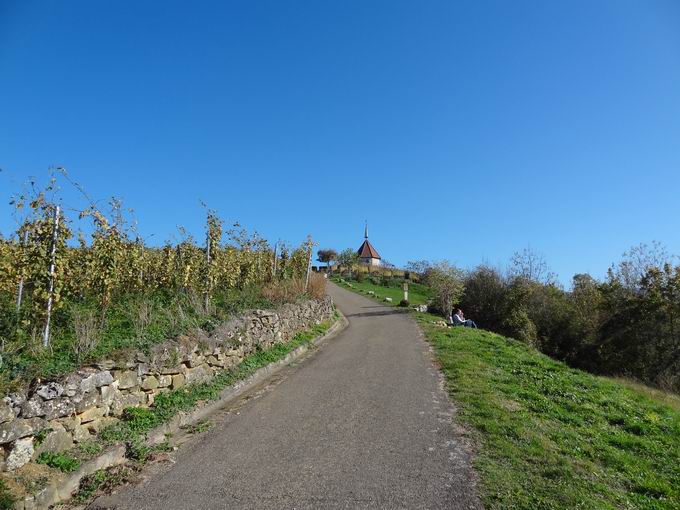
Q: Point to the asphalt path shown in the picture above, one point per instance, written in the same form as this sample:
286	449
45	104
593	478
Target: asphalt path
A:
362	423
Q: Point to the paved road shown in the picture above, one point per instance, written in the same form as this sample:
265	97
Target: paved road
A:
364	423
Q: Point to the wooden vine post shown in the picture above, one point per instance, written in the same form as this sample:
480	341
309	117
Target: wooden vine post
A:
276	245
52	275
310	245
20	290
206	299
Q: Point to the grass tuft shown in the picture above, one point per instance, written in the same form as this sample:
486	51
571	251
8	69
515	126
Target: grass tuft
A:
61	461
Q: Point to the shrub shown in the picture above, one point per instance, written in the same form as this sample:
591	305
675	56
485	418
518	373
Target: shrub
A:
87	328
284	291
404	302
518	325
317	286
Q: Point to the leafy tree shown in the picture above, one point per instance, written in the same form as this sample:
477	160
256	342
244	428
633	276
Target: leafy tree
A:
446	281
347	259
485	296
327	256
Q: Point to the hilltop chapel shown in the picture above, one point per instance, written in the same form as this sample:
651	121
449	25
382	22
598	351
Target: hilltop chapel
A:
367	253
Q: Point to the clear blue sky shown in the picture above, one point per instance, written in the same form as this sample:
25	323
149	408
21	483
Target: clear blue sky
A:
459	130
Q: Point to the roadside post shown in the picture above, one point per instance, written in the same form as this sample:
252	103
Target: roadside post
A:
405	291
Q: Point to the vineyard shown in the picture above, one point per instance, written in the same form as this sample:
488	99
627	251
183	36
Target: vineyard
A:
69	298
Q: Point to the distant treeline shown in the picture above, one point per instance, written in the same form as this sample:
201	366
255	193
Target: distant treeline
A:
628	324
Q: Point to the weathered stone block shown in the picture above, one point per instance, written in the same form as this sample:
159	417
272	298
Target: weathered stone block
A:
150	383
178	380
58	440
126	378
20	454
86	400
108	394
215	361
96	380
6	413
124	400
176	369
58	408
32	408
164	381
198	374
81	434
195	360
96	426
92	414
69	423
17	429
50	390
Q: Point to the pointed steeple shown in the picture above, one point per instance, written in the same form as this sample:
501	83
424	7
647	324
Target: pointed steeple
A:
366	251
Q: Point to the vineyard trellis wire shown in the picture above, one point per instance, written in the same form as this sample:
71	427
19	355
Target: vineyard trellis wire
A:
42	264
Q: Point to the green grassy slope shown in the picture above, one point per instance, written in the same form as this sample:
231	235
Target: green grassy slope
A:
417	294
551	437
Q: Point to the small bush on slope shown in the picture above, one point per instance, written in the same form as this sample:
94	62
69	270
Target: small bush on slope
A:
551	437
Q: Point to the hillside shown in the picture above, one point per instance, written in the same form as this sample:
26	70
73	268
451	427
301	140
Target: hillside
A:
550	436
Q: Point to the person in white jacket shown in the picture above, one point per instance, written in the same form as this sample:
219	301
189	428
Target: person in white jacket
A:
458	319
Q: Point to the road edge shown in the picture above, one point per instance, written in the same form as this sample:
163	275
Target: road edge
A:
115	455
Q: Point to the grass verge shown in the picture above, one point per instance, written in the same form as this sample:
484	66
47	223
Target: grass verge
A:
552	437
417	294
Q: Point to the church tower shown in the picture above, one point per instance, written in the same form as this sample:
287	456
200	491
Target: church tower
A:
367	253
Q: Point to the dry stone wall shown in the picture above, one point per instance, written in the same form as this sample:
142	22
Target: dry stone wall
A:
54	415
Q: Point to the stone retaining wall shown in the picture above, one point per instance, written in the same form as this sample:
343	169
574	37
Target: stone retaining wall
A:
54	415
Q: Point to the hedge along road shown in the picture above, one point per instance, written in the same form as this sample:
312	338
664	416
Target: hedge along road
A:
364	423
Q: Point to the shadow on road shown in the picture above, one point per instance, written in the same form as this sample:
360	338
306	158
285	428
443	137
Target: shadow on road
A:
376	314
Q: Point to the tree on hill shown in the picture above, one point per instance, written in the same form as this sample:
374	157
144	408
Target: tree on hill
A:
446	280
347	258
532	266
327	256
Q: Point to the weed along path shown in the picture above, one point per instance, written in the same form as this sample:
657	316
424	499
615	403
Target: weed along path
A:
363	423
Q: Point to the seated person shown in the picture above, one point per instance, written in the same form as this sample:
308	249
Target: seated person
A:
458	319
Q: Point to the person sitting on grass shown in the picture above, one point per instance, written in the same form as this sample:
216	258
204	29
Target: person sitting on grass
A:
458	319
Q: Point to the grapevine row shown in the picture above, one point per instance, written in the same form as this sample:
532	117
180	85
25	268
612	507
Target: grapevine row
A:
42	265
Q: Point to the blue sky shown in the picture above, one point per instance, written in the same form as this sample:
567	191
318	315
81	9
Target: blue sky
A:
459	130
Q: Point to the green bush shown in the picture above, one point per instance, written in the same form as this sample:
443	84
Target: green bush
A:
60	461
518	325
403	302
